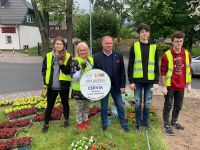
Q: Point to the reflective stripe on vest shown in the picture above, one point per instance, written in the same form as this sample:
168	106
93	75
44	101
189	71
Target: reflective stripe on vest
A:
138	69
171	67
76	83
62	76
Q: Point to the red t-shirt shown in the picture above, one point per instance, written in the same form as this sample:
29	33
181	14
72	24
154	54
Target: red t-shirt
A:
178	79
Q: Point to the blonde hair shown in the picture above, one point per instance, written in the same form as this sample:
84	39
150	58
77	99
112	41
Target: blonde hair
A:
78	46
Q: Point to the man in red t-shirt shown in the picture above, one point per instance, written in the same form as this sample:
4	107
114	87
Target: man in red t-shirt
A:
176	76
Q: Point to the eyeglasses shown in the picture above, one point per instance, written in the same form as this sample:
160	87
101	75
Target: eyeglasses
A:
178	41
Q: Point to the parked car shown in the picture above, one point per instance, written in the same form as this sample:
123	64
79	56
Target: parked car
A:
195	65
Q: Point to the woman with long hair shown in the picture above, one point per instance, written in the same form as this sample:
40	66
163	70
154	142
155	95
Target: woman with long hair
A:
57	78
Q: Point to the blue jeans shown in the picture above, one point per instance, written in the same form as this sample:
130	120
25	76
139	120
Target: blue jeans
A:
118	103
138	101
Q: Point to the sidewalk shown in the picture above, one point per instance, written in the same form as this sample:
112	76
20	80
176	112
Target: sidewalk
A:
17	57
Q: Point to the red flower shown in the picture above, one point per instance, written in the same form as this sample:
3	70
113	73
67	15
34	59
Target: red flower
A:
6	133
22	113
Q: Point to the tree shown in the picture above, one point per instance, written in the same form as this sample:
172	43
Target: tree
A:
116	5
163	22
194	8
58	8
63	9
69	24
104	23
43	21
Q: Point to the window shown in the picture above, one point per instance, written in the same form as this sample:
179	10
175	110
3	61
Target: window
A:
3	3
8	39
57	27
29	19
51	27
8	30
54	27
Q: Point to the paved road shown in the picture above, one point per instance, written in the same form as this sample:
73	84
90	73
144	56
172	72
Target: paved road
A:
16	77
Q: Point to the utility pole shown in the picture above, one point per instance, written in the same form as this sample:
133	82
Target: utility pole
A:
91	2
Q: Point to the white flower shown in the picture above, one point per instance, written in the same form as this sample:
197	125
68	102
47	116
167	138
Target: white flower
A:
86	147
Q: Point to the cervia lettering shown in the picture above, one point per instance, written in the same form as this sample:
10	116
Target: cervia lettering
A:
95	87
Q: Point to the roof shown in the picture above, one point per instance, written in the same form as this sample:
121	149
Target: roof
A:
55	33
14	12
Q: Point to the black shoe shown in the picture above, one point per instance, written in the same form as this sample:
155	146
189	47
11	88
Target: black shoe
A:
137	128
104	128
45	128
168	130
125	128
66	124
177	126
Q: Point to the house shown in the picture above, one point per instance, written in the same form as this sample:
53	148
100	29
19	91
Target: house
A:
18	27
57	29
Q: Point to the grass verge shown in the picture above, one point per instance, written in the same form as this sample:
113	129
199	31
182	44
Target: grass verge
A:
60	138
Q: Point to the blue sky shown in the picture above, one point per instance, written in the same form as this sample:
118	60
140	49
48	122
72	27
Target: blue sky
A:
83	4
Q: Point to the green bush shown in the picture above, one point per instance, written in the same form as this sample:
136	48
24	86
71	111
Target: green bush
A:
125	33
195	51
162	48
103	23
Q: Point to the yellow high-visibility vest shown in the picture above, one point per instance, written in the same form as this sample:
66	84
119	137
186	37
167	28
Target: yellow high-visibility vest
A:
171	67
62	76
138	69
76	83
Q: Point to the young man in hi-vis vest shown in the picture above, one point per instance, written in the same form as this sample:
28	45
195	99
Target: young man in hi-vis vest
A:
143	73
176	76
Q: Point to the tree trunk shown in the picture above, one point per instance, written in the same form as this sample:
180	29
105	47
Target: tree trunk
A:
43	29
69	25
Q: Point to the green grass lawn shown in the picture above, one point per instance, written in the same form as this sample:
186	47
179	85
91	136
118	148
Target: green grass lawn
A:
32	51
59	138
196	51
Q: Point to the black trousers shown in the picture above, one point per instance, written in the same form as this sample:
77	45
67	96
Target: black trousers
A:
51	98
174	98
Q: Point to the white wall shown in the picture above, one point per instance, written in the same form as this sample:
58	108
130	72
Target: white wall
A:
25	35
29	36
14	37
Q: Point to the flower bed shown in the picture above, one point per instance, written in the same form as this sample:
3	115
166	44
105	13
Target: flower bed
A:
56	115
6	102
7	133
17	108
20	143
5	145
21	113
90	144
25	101
15	124
93	111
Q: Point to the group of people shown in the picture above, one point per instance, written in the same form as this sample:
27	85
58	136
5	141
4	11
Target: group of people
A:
60	72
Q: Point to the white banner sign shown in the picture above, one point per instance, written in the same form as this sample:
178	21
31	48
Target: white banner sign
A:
95	84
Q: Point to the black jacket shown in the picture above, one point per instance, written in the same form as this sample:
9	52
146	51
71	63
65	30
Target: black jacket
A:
65	69
118	65
145	58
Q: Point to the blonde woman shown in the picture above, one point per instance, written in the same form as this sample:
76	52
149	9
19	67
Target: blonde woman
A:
80	65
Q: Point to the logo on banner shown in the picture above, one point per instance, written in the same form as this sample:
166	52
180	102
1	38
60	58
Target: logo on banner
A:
95	84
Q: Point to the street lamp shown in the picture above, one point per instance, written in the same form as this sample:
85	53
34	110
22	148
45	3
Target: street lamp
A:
91	2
